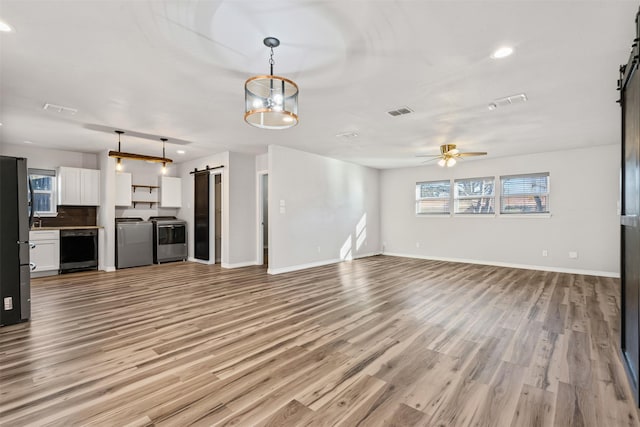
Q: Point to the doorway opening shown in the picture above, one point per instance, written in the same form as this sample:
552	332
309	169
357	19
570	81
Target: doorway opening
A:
263	219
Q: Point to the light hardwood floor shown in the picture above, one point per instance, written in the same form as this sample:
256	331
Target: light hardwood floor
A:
377	341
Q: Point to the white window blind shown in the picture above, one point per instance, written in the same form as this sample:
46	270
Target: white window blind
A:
523	194
433	197
474	195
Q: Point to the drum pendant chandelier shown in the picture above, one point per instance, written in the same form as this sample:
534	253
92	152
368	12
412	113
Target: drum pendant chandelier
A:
271	102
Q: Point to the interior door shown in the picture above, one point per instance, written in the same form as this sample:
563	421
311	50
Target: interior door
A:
218	218
201	216
629	222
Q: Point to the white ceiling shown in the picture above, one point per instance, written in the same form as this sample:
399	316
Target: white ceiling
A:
177	69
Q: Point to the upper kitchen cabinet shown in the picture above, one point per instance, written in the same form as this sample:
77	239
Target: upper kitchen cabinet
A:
123	189
170	192
78	187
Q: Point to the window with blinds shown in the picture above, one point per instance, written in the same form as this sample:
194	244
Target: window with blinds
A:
43	191
432	197
474	195
524	194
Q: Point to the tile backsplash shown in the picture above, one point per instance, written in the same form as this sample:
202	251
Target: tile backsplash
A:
71	215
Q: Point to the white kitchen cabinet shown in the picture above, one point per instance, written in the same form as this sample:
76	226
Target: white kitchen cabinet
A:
170	192
44	254
123	189
90	187
78	187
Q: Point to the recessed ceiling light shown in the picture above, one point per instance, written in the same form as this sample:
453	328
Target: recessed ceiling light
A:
5	28
180	151
502	52
28	142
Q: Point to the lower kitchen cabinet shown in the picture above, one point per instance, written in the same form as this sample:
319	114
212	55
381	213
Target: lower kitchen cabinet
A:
45	252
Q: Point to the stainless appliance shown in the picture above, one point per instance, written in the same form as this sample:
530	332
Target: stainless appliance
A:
15	285
169	239
78	250
133	242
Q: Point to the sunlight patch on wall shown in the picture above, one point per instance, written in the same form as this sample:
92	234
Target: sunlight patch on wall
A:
345	250
361	231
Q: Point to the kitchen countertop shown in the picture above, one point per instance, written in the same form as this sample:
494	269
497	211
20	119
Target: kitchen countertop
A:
67	227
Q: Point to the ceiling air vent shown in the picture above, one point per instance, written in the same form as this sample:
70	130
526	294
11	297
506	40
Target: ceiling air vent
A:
508	100
400	111
59	108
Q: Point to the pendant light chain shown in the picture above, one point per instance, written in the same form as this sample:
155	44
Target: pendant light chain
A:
271	61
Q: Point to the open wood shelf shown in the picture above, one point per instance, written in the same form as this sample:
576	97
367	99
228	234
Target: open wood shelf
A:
149	202
150	187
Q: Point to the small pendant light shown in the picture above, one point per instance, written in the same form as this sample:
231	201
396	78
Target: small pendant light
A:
119	166
164	164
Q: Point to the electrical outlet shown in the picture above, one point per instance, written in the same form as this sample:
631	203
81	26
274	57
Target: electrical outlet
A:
318	249
573	255
283	209
545	252
8	303
417	244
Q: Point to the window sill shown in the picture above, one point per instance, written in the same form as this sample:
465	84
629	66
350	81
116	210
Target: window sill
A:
478	215
531	215
45	215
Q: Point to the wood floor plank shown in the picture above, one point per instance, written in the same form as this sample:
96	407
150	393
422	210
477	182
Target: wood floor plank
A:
535	408
378	341
293	413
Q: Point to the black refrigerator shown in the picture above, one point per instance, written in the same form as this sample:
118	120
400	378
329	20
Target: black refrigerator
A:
15	286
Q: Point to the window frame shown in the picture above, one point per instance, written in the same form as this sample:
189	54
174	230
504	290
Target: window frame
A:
545	214
53	193
456	198
418	199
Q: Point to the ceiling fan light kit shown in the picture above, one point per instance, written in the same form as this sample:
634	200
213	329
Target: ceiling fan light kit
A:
449	155
271	102
119	155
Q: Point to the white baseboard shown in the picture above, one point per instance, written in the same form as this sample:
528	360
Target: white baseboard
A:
302	266
200	261
315	264
110	269
238	264
368	254
45	273
511	265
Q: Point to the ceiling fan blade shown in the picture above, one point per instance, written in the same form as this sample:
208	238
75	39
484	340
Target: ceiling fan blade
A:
429	155
471	154
430	160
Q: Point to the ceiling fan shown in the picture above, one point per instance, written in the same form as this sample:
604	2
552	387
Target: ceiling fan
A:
449	155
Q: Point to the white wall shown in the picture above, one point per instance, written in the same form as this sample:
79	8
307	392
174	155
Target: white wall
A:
584	186
43	158
106	211
331	210
262	162
242	210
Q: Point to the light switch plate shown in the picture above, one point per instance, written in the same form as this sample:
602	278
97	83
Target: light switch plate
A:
8	303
